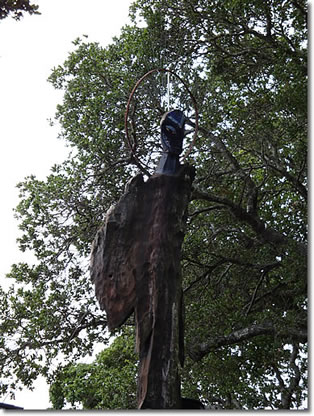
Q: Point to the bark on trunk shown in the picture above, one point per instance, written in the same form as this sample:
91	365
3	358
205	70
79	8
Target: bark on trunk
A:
135	266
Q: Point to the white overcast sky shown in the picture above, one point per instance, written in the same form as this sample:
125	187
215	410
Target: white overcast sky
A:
29	49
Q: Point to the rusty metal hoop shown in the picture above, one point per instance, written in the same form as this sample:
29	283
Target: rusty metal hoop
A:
128	139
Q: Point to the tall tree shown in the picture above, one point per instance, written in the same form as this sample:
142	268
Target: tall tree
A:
244	259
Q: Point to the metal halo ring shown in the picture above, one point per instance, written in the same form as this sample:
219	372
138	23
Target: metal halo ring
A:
128	139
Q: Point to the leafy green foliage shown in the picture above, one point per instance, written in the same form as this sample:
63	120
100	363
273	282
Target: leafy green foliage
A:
16	8
108	383
244	254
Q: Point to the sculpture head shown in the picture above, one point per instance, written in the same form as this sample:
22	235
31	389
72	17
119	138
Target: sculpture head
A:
172	131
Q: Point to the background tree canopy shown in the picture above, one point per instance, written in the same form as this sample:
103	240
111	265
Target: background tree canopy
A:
16	8
244	254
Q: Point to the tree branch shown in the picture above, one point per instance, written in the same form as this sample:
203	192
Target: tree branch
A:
293	180
36	344
268	235
287	391
207	273
197	352
252	193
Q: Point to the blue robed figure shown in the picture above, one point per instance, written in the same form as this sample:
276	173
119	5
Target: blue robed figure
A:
172	134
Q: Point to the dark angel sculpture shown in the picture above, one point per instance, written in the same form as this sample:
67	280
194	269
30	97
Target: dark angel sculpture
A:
172	134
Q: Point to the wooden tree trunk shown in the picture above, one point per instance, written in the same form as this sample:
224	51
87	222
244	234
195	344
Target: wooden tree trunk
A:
135	266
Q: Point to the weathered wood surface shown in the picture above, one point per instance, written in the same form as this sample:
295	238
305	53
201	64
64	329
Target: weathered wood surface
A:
135	266
113	257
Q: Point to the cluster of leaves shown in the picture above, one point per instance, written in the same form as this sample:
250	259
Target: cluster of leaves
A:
244	254
16	8
108	383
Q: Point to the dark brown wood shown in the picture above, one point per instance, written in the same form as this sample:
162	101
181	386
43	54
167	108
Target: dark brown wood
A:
135	266
113	257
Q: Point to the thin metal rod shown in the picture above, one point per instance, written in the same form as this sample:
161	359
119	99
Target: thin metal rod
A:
168	91
132	145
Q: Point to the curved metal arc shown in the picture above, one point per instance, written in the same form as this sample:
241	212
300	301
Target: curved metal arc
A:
129	143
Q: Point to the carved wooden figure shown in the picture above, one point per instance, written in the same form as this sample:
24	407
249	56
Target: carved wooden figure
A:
135	266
